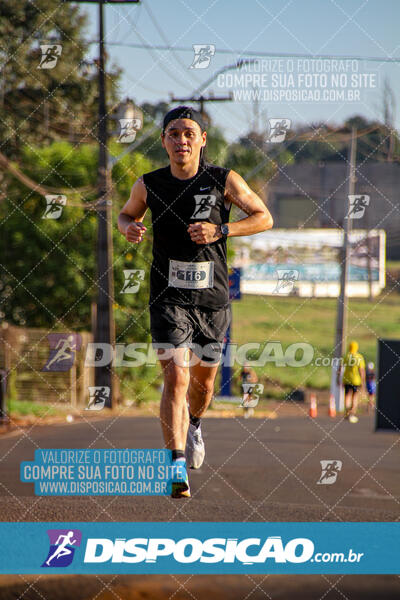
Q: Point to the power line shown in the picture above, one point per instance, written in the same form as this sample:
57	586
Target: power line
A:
178	60
202	99
258	54
164	37
150	49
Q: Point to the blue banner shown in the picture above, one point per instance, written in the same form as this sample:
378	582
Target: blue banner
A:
234	283
317	272
201	548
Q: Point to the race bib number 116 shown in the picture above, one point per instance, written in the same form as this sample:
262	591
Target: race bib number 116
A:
192	276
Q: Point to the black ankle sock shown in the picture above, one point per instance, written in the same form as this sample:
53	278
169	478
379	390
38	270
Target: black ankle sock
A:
177	454
194	420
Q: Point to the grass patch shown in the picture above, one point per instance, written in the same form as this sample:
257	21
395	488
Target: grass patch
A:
263	319
312	320
24	408
392	264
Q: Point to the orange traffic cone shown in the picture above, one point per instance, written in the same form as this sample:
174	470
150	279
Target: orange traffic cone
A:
313	406
332	406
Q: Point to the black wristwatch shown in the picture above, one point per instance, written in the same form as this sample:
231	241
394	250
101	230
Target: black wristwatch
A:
224	230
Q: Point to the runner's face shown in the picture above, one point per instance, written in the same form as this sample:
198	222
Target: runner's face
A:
183	141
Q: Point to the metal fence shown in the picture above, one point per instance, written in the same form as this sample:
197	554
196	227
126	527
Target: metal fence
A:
23	355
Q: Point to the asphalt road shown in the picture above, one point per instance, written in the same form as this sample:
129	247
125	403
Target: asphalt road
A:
200	587
255	470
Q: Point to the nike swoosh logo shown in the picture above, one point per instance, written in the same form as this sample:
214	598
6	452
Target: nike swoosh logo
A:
205	188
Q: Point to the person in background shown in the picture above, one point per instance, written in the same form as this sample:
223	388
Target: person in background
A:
353	379
370	378
248	375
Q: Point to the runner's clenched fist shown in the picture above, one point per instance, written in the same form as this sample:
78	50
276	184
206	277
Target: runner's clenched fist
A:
204	232
134	232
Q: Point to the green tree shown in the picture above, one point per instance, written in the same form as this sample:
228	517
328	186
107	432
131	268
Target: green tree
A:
49	264
49	274
322	142
41	105
255	160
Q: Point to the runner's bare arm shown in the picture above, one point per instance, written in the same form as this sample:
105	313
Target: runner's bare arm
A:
131	216
239	193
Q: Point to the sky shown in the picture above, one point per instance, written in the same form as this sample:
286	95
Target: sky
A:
294	86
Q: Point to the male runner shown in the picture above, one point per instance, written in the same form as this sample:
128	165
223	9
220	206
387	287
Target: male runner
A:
190	202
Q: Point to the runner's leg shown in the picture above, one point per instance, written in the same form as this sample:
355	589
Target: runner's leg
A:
348	401
371	402
209	328
354	403
209	331
200	392
173	409
201	387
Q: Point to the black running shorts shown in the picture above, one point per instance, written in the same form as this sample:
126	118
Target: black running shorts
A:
201	329
351	388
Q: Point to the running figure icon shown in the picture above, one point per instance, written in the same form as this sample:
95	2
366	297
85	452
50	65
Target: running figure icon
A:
62	549
66	348
330	471
50	55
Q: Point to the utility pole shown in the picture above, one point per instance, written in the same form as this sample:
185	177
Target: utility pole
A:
202	99
369	257
341	319
256	112
105	330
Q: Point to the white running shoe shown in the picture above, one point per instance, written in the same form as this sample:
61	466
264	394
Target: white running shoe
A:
195	450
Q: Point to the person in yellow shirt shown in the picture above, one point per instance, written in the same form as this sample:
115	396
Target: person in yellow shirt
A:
353	379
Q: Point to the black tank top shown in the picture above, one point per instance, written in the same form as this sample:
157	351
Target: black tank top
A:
175	278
